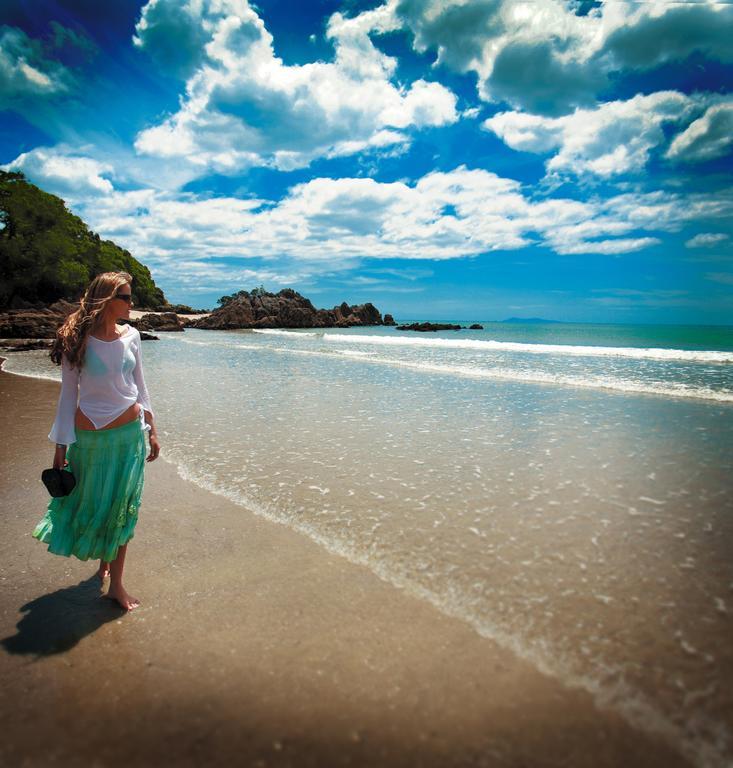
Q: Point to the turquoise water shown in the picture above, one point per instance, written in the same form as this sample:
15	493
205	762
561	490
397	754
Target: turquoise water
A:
614	358
565	490
700	337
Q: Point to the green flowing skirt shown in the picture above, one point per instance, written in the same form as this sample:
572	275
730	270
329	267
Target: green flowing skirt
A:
100	514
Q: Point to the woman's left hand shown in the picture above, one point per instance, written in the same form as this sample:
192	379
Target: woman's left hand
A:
154	448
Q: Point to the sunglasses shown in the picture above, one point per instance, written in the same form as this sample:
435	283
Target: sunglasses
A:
124	296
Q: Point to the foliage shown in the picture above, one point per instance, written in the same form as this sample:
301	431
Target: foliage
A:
181	309
255	293
47	253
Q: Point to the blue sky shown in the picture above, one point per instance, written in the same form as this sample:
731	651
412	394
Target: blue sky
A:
443	159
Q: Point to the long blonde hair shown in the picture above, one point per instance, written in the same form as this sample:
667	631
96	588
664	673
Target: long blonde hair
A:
71	337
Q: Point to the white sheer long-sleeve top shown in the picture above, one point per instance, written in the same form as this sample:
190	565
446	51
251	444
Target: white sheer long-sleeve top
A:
110	381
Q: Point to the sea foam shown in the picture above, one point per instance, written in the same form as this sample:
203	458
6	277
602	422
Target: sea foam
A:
636	353
540	377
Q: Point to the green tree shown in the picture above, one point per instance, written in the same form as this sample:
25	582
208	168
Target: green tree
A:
254	293
47	253
224	300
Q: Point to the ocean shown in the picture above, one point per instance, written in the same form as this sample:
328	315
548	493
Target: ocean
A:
565	489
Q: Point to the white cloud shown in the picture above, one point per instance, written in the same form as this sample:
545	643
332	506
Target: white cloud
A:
514	48
608	247
331	224
527	133
709	137
243	107
206	277
616	137
174	40
669	212
706	240
543	57
62	171
657	32
25	70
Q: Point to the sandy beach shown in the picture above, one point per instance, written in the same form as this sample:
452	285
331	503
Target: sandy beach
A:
136	314
253	646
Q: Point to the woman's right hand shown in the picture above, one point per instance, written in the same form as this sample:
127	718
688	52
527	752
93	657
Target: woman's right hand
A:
59	457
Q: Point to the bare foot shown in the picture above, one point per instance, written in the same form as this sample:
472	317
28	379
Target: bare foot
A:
103	571
128	602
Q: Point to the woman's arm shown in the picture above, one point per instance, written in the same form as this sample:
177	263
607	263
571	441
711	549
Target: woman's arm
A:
63	432
144	399
152	437
149	420
142	391
59	457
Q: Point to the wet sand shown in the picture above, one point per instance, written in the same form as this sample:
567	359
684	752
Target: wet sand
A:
253	646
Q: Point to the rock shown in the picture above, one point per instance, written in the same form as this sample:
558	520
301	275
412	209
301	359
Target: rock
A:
165	321
429	327
24	345
35	325
236	314
286	309
30	323
361	314
64	307
36	322
389	320
476	327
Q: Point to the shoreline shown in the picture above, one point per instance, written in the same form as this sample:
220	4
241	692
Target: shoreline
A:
254	644
136	314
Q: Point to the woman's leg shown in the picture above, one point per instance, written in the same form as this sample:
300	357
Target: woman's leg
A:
116	590
103	571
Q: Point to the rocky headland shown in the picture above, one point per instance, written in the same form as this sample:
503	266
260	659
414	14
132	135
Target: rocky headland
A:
286	309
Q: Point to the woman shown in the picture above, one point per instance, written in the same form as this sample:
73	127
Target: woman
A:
101	418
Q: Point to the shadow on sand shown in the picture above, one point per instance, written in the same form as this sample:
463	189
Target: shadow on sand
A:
56	622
